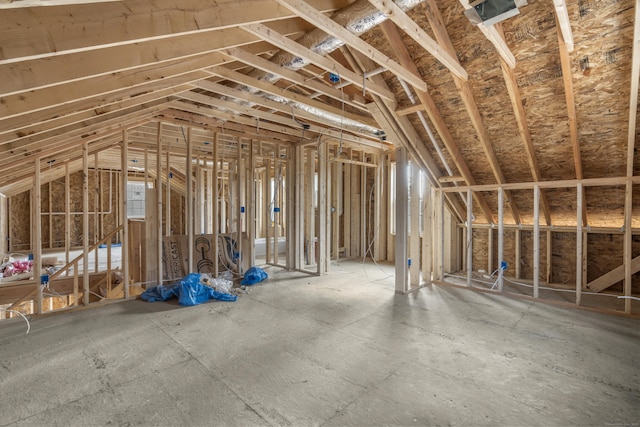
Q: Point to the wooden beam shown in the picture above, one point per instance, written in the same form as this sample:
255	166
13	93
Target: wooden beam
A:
290	127
81	95
633	99
437	24
627	254
85	223
566	183
564	27
523	126
36	230
469	230
393	36
28	145
579	244
243	79
320	87
34	129
413	30
614	276
405	111
124	220
401	210
51	30
492	35
567	79
500	239
31	74
536	241
315	17
291	112
324	62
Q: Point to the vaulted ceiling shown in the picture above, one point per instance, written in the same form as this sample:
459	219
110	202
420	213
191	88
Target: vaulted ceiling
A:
548	95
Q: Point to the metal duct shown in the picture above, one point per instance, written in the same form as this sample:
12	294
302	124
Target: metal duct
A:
359	17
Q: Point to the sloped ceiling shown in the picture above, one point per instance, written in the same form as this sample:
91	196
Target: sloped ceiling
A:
521	101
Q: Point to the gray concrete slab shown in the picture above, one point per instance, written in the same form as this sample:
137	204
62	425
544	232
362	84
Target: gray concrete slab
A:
342	349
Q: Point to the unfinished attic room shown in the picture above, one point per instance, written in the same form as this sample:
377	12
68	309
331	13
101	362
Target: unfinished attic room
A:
319	212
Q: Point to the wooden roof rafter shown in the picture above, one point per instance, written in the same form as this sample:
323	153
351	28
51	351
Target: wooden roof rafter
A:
51	125
633	99
222	109
286	116
567	78
318	19
190	119
291	96
324	62
24	152
400	129
439	30
494	37
426	101
295	78
564	24
413	30
523	126
94	26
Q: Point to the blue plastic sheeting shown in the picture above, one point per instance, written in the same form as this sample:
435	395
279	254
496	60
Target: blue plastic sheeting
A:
189	291
253	276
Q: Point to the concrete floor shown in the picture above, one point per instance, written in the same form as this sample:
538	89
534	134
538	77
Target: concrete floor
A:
336	350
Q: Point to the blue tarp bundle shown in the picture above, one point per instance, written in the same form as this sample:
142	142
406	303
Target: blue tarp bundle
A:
253	276
189	291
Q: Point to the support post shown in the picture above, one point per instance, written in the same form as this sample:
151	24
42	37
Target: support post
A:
402	205
490	249
323	164
300	203
167	197
268	197
469	236
441	236
500	237
250	214
36	246
124	220
363	209
292	184
377	227
427	233
85	223
536	241
414	237
214	206
518	244
579	246
67	220
189	197
549	258
159	203
336	191
240	205
627	249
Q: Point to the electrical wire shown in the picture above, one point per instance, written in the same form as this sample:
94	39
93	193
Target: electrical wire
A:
23	316
539	287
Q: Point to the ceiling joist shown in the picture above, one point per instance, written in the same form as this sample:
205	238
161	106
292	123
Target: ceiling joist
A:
414	31
324	62
315	17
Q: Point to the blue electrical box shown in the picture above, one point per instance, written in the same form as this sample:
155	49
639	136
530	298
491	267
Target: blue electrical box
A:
504	265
